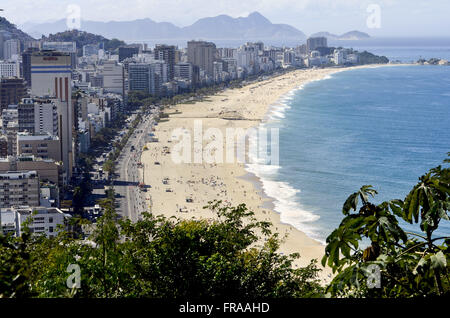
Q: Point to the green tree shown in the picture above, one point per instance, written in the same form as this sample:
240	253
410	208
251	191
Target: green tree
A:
15	266
190	258
412	264
158	257
109	166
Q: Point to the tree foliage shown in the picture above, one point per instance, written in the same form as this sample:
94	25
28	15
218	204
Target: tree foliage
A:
84	38
160	258
234	254
411	264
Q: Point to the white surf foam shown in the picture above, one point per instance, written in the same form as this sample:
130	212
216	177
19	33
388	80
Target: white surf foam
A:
285	200
285	197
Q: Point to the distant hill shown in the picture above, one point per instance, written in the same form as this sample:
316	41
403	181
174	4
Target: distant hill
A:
253	27
83	38
126	30
352	35
10	31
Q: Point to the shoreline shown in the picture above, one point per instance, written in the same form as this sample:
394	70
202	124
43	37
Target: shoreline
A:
257	180
232	183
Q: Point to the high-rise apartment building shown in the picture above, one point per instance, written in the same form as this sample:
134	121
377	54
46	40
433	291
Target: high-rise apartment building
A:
19	188
11	49
45	116
26	64
9	114
314	43
33	115
9	69
112	74
247	57
48	170
147	77
3	146
25	116
166	53
11	133
126	52
202	54
184	71
12	90
139	77
226	52
44	146
51	76
63	47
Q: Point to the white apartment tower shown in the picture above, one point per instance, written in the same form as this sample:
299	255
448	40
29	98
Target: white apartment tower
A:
11	49
9	69
51	75
19	188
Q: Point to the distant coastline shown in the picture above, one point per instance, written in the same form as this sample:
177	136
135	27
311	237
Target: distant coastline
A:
228	182
252	173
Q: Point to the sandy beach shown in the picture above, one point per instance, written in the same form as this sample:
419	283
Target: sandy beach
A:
174	185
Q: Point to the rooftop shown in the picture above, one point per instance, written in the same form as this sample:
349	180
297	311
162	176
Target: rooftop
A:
50	53
24	136
16	175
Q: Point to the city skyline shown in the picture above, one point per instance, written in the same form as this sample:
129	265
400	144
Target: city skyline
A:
156	149
397	17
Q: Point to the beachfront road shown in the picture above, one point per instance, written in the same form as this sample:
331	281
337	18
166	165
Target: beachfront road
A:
130	199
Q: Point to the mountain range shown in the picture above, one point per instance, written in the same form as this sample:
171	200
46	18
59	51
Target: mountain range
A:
220	28
10	31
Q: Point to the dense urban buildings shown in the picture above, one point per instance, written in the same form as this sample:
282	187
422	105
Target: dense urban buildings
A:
202	55
26	64
313	43
113	77
12	90
40	220
45	146
126	52
57	100
11	49
63	47
19	188
51	76
9	69
166	53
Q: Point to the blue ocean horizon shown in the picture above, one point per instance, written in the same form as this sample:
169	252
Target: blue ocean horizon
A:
401	49
383	127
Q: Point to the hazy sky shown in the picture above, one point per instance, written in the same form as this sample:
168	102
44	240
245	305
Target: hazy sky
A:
397	17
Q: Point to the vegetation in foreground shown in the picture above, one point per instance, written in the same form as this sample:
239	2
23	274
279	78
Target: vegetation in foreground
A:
410	264
172	258
159	258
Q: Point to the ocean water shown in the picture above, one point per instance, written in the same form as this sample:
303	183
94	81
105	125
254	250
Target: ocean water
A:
405	50
401	49
383	127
